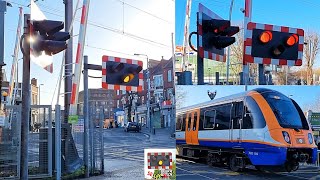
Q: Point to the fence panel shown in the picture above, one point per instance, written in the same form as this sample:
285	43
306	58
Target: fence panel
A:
40	142
10	140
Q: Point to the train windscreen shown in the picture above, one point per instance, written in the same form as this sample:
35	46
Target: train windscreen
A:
284	109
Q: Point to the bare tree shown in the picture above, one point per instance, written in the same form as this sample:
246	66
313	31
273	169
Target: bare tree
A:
180	96
315	106
236	54
311	51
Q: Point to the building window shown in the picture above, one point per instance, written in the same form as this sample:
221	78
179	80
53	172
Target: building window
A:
169	75
158	81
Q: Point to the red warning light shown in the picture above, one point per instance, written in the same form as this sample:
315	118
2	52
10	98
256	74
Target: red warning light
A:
293	39
265	37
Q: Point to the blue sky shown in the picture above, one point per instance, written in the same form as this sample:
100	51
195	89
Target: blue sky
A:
292	13
305	96
117	22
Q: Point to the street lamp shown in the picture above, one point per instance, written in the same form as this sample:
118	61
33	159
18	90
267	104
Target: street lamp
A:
40	91
148	90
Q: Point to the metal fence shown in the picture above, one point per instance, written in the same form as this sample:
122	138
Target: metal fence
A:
40	146
96	143
10	139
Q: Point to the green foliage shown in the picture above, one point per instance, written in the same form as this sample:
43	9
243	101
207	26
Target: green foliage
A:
156	174
174	172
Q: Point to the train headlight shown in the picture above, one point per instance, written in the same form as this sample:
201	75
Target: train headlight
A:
286	137
310	138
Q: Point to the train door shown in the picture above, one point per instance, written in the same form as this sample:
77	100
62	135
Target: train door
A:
236	122
188	128
195	127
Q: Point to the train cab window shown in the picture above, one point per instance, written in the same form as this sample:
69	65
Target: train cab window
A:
189	121
222	120
305	124
252	117
284	109
179	123
209	116
195	116
237	114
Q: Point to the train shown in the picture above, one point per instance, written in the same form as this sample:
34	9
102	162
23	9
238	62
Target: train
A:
261	127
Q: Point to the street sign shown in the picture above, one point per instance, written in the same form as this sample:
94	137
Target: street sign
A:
72	119
79	126
315	119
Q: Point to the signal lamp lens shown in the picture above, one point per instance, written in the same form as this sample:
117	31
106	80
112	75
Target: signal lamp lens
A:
117	67
293	39
265	37
278	50
160	162
127	78
310	138
286	137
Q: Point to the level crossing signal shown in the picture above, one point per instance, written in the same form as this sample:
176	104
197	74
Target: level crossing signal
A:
46	37
270	44
122	74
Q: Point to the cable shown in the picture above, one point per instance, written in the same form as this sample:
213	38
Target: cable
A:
106	49
95	77
190	45
145	12
21	46
110	29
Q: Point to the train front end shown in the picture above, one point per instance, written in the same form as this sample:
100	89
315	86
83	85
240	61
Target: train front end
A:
288	127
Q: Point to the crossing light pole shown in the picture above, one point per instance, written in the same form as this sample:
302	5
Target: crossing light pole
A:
148	90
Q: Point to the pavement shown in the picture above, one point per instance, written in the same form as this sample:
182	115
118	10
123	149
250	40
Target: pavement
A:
124	152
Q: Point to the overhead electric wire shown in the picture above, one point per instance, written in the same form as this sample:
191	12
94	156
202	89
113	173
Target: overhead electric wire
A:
145	12
145	40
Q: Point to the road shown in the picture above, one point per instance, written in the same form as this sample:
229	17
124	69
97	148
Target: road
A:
191	170
124	152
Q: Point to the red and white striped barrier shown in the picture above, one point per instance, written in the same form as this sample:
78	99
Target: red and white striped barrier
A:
11	97
79	58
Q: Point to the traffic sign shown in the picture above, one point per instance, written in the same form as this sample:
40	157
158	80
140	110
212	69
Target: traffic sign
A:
315	119
72	119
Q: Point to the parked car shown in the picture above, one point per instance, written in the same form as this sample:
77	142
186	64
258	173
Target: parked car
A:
132	126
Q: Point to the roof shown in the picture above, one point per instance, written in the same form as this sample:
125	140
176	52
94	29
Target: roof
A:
231	98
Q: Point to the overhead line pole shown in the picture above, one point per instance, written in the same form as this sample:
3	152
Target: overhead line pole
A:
25	113
247	19
3	10
68	58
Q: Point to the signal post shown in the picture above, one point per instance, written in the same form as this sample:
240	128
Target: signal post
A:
39	37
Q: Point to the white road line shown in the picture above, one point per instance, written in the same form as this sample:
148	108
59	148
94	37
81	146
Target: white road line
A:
194	173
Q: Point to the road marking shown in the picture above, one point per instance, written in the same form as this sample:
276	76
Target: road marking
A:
195	173
290	175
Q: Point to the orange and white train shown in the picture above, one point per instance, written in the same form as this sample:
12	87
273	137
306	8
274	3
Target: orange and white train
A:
261	127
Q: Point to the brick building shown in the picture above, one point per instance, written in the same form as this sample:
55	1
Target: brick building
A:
99	100
161	92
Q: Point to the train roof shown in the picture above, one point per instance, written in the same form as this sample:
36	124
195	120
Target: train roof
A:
230	98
